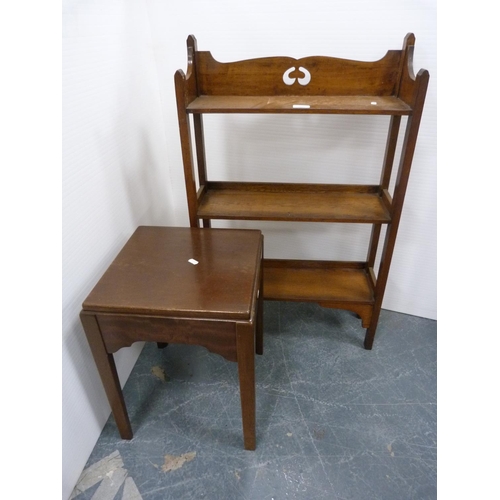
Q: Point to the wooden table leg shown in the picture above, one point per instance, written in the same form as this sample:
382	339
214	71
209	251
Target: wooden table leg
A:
107	370
245	345
259	341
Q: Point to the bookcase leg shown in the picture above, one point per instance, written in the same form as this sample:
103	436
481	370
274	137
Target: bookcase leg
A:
370	332
408	149
390	151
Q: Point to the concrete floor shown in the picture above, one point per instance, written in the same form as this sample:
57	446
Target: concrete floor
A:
334	421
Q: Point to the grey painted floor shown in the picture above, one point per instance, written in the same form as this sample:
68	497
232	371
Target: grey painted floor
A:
334	421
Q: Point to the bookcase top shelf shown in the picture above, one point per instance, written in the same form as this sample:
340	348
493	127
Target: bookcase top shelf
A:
366	105
315	84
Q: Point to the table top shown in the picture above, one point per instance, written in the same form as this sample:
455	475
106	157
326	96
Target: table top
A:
153	274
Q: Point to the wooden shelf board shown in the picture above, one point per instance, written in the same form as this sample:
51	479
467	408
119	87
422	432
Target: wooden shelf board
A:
385	105
317	281
292	202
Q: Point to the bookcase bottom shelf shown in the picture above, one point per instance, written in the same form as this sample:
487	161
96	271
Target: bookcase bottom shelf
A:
339	285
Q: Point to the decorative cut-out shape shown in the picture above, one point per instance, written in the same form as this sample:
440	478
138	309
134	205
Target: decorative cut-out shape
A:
306	78
286	76
290	81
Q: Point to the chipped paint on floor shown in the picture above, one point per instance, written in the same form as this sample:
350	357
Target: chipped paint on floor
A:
130	491
173	463
159	372
111	475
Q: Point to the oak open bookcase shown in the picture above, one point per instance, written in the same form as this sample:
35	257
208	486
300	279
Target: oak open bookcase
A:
315	84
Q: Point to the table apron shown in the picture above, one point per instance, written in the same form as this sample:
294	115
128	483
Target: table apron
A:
121	330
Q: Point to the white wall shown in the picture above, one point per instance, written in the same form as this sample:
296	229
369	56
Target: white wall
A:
122	163
115	177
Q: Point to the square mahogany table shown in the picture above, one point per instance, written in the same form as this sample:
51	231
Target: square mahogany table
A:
181	285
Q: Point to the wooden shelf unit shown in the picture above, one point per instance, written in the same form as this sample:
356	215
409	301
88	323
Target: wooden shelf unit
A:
319	85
